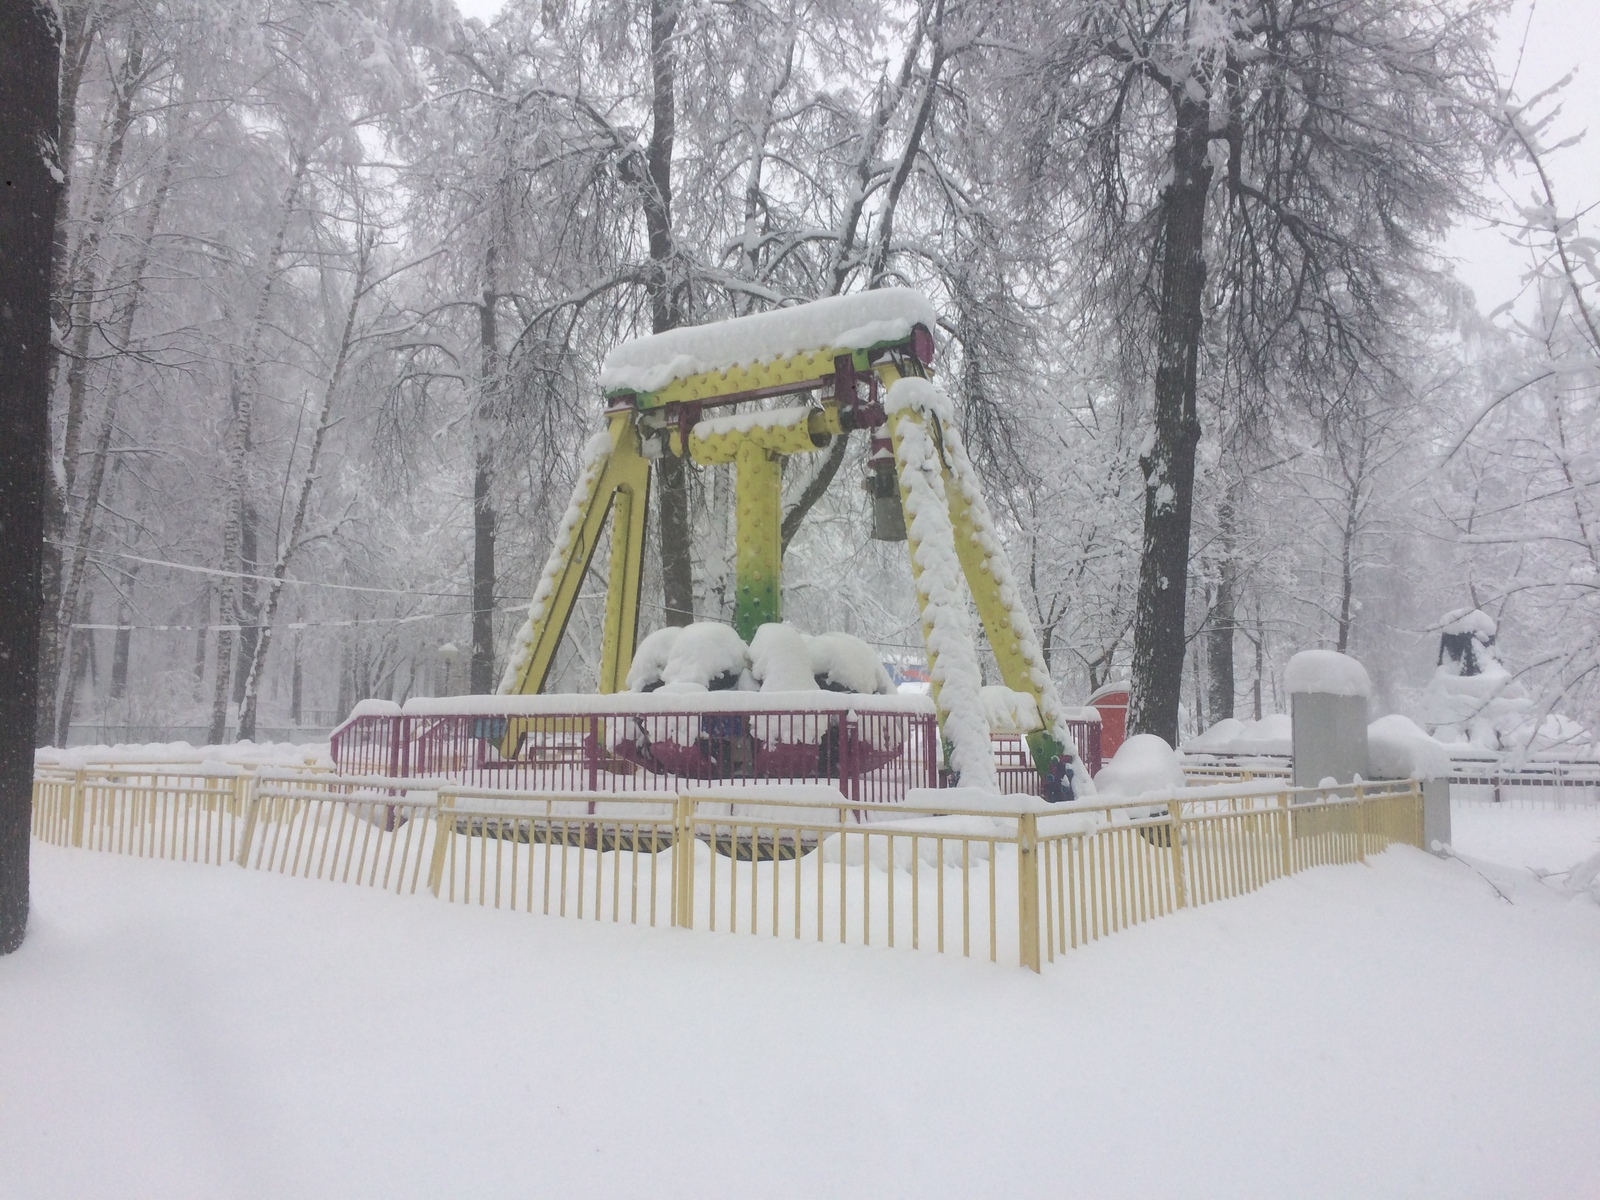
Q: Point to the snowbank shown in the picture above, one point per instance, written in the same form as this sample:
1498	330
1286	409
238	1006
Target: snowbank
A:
1398	1029
234	756
1397	748
857	322
1326	672
1273	734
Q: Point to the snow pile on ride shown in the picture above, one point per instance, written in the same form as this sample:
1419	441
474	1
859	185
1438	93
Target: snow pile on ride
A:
780	660
596	453
842	662
706	656
839	323
1327	673
1009	711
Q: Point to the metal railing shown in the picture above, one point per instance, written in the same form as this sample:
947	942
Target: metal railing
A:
871	751
1026	882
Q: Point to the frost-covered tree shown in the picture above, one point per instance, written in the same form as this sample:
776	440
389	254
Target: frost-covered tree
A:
1266	172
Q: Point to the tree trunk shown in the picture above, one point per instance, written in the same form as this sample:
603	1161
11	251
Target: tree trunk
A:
246	378
280	568
481	667
1158	631
1219	637
666	308
80	35
122	647
78	286
203	623
30	46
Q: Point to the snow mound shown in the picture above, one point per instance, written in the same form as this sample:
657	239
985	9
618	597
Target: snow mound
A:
1273	734
1009	711
857	322
1326	672
1397	748
780	659
843	662
1144	765
706	655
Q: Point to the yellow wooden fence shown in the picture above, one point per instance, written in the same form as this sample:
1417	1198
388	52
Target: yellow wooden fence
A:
1027	881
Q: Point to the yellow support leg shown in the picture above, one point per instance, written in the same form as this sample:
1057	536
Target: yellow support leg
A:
622	471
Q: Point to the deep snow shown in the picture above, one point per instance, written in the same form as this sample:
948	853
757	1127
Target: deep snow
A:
1395	1029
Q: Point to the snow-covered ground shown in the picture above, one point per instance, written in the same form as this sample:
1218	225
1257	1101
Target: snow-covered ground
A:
1394	1029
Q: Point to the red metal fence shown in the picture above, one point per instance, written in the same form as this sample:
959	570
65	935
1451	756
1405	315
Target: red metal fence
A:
872	756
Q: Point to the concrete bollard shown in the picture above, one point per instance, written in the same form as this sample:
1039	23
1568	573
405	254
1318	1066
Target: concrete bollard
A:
1435	813
1328	705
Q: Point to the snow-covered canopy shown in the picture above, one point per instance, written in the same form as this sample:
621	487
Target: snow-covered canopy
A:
1326	672
1471	620
856	322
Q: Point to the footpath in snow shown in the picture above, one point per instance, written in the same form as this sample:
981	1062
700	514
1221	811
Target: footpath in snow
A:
1395	1029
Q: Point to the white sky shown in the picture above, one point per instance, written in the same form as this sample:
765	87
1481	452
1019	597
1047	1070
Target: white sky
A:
1560	37
1540	41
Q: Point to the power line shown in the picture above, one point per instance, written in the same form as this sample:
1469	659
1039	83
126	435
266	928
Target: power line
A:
240	628
215	571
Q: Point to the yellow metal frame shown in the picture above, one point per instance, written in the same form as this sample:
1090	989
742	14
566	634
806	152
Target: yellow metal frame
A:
621	489
756	451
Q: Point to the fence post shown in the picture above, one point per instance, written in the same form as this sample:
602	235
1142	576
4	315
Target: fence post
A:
78	803
1361	823
252	812
1285	844
1175	840
683	862
1027	889
444	829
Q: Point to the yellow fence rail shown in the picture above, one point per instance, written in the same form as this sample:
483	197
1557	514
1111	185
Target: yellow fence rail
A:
1022	883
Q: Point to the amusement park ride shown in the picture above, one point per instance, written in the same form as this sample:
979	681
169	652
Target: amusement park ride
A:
859	362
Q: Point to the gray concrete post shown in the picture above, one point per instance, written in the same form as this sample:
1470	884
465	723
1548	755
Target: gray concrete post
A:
1435	813
1330	738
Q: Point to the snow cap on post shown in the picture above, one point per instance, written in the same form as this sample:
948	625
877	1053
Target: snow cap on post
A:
1328	673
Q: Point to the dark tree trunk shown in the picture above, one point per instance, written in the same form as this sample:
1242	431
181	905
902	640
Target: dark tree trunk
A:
1219	636
1158	631
30	190
666	308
